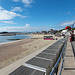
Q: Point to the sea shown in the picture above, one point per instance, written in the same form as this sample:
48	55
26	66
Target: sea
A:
5	39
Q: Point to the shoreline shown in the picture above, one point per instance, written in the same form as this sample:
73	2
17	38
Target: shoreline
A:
12	41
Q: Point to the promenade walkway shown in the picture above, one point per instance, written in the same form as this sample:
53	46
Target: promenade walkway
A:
69	61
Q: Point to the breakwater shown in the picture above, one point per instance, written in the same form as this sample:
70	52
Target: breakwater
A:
42	63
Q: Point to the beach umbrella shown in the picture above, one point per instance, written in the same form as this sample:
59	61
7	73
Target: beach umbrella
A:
64	31
68	28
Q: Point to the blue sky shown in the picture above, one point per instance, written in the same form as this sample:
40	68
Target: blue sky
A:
36	15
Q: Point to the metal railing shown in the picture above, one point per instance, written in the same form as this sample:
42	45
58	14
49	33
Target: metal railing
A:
55	68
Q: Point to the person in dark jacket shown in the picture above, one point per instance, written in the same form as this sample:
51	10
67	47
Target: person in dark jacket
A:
71	37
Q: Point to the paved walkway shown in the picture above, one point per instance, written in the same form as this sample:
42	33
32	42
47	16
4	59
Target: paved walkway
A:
69	61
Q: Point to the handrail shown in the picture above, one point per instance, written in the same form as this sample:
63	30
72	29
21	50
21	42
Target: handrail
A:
56	65
61	67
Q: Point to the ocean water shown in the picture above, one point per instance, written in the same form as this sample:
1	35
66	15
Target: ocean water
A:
4	39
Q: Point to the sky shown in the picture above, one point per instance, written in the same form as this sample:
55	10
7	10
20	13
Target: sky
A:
36	15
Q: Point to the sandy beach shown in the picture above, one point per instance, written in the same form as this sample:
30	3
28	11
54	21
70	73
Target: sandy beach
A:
13	51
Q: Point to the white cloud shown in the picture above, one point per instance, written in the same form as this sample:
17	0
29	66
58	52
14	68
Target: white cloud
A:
1	8
67	23
27	25
26	2
27	5
7	15
24	29
16	9
9	22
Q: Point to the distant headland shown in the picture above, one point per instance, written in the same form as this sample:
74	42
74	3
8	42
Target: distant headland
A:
10	33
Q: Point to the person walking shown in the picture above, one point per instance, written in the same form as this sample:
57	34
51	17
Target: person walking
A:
71	37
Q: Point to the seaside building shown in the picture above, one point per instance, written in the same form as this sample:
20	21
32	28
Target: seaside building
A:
44	32
52	31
